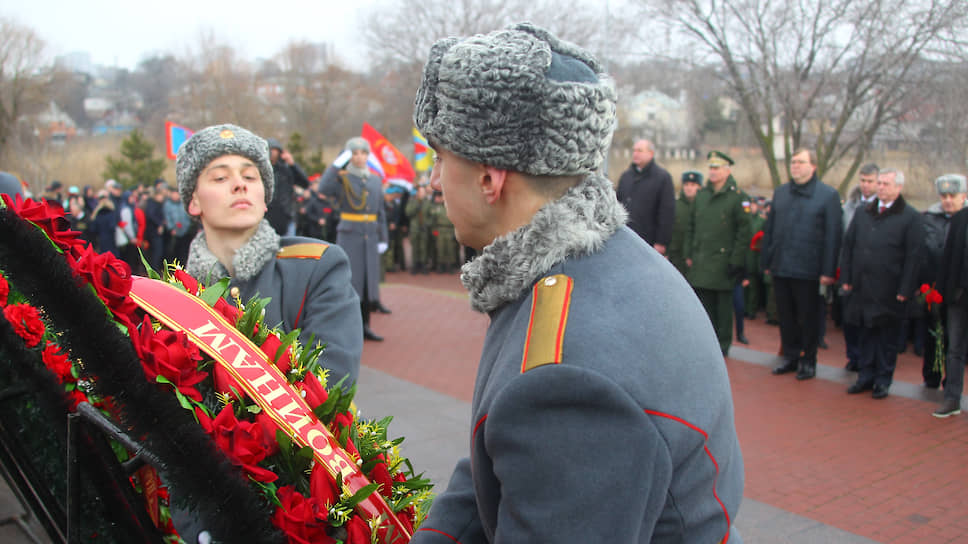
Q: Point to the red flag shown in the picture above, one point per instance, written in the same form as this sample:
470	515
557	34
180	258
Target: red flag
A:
395	165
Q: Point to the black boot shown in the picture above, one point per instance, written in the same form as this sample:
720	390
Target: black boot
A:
808	369
789	365
368	334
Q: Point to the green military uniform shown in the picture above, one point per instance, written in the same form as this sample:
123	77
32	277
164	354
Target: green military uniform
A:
753	271
717	242
418	211
684	209
445	250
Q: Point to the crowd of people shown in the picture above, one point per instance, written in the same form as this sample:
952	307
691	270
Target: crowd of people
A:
871	263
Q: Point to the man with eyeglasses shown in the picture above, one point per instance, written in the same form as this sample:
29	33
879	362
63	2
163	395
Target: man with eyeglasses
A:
799	249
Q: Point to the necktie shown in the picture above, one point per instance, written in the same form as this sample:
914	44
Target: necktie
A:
881	208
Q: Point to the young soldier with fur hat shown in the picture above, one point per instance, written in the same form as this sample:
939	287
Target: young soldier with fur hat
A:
225	181
602	410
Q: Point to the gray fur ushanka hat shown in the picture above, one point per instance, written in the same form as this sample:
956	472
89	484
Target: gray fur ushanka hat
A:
213	142
518	99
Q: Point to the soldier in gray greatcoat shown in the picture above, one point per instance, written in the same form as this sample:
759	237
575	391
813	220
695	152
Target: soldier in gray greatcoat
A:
362	230
226	182
602	410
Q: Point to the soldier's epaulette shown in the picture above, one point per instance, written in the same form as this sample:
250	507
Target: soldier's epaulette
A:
551	299
309	250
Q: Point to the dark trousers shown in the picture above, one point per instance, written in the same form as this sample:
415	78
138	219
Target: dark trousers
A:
954	380
851	333
739	308
719	307
798	310
878	349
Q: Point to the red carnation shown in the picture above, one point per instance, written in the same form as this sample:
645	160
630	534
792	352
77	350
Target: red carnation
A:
170	354
925	288
57	362
111	279
243	442
314	392
933	297
322	486
381	475
76	397
186	279
357	531
26	322
303	520
755	242
4	291
49	218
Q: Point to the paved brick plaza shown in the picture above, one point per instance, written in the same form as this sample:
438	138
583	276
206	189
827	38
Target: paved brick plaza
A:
881	469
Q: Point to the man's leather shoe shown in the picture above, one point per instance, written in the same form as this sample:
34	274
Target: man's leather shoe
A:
382	309
741	338
370	335
822	345
859	388
807	371
880	391
851	366
787	367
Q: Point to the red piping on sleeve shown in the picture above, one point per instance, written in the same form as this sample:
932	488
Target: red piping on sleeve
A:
705	437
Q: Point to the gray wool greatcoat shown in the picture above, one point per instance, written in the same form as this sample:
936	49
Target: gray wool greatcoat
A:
629	435
359	238
309	291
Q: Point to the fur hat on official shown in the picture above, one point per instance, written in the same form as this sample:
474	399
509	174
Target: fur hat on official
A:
518	99
951	184
216	141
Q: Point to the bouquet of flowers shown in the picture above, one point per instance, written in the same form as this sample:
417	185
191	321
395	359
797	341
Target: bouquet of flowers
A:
254	442
932	299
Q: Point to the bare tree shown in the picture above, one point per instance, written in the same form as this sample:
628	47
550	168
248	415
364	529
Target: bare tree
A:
217	86
24	77
821	73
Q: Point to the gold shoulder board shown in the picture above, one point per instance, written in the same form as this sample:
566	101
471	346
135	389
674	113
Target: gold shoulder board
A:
302	251
549	315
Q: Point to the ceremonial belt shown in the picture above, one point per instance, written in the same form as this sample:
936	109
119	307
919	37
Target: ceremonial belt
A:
264	383
358	217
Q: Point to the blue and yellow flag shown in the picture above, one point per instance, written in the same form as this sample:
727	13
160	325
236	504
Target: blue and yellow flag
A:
422	153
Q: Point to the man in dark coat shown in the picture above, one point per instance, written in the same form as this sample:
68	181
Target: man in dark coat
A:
952	283
717	242
952	189
859	198
646	191
288	175
362	230
801	240
587	425
879	267
226	182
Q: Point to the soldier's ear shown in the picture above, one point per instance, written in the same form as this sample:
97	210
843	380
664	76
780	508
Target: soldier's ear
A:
194	208
492	183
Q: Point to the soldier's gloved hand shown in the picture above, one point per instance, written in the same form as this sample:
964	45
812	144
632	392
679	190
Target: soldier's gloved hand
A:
381	247
736	272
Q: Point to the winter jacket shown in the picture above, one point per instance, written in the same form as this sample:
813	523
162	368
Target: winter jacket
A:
802	233
649	197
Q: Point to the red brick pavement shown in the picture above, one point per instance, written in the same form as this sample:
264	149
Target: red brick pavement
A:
884	469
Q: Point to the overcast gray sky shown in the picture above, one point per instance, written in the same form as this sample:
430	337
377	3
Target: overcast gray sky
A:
123	32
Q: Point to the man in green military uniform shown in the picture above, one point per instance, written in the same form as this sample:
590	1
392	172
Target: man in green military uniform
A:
716	245
691	183
755	273
418	211
443	235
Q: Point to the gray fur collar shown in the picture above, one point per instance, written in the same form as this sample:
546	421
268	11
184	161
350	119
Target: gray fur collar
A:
576	224
248	260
